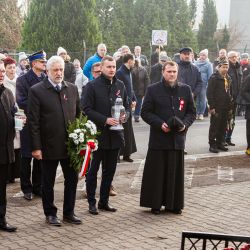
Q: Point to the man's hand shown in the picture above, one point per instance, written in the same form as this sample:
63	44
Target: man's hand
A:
123	118
37	154
112	121
212	111
165	127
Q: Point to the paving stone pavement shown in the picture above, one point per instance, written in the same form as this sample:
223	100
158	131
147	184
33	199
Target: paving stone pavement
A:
216	209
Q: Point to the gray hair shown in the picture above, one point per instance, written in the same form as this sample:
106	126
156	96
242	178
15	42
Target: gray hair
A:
101	45
53	60
232	53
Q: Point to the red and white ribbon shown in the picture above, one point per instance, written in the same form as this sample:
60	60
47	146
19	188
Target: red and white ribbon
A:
89	148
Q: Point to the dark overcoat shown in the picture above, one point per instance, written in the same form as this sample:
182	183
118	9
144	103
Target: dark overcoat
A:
189	74
23	84
124	74
49	114
98	99
7	131
235	72
245	93
162	102
69	72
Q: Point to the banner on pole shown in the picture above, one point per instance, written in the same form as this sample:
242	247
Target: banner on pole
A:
159	37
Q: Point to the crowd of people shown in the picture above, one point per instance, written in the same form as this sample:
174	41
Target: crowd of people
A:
168	94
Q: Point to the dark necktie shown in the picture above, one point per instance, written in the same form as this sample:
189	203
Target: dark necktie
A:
58	88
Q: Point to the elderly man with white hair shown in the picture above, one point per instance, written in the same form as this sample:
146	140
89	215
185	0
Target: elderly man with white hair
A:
52	104
97	57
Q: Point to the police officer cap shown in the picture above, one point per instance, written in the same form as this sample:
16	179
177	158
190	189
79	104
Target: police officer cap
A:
186	49
40	55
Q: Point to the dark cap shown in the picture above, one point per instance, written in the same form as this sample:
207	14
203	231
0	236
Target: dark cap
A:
40	55
186	49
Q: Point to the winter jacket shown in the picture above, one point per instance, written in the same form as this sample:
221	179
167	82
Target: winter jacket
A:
189	74
7	131
217	96
140	80
69	72
235	72
87	67
206	69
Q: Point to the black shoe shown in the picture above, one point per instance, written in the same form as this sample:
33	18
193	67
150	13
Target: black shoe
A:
106	207
73	219
222	148
28	196
93	210
53	221
213	150
4	226
128	159
155	211
174	211
229	143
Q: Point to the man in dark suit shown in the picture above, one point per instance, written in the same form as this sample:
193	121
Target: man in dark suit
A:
23	84
53	103
124	75
169	109
7	134
100	96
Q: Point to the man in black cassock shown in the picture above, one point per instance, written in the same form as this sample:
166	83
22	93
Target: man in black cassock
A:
168	108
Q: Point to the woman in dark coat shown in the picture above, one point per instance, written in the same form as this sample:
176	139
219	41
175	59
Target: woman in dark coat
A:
7	134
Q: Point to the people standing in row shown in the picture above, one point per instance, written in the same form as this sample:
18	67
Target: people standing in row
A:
168	108
23	84
140	80
124	75
100	96
206	69
53	103
220	104
81	79
69	71
235	72
7	134
97	57
10	83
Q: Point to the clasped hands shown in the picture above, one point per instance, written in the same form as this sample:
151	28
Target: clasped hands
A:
165	128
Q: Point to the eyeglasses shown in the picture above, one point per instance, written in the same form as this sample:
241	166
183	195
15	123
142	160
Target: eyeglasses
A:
97	71
171	71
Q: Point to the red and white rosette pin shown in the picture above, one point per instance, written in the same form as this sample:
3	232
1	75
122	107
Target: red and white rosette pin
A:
90	147
181	104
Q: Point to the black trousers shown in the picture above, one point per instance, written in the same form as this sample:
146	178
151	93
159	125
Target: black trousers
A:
3	179
248	132
25	176
230	124
217	129
108	157
48	180
14	168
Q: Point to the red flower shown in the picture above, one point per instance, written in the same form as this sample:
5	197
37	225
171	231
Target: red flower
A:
91	144
82	152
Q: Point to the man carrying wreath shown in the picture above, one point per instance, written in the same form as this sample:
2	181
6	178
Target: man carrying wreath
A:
99	97
52	104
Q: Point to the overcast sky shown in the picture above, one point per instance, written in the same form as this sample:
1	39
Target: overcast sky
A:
223	9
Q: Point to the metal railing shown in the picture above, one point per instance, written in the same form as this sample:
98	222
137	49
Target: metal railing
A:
205	241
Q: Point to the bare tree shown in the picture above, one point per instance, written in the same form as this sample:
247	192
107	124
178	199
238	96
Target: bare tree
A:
236	35
11	23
